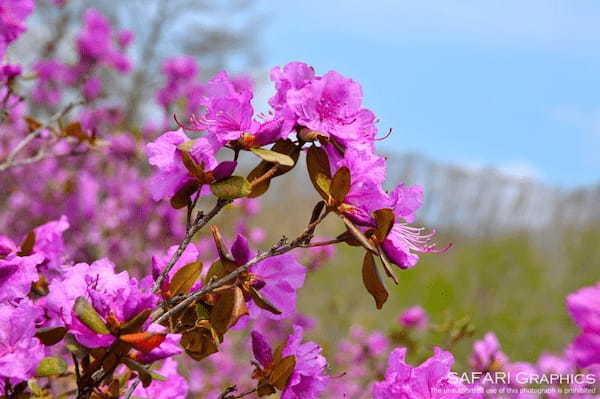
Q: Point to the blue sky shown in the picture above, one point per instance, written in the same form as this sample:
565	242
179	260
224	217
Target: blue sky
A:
511	84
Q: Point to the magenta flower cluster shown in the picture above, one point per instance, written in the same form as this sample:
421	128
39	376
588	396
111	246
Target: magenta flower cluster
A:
105	293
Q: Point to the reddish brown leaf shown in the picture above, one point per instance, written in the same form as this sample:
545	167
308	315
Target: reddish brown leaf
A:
144	341
372	281
385	221
340	184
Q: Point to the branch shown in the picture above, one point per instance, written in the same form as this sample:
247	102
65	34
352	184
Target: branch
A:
199	223
10	162
280	248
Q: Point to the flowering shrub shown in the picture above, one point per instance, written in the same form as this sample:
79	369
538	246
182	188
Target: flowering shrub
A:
96	304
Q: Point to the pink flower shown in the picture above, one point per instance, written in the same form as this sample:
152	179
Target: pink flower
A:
487	354
330	104
12	17
174	387
584	307
415	317
171	174
278	279
109	293
20	351
428	380
308	380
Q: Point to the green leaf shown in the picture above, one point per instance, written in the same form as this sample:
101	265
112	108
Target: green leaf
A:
273	156
184	279
51	366
340	184
145	374
231	188
136	322
324	184
372	281
87	315
216	271
50	335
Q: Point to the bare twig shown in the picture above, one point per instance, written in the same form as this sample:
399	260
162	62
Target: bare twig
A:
131	389
199	223
280	248
10	162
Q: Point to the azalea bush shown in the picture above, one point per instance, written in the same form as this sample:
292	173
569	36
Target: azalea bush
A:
131	264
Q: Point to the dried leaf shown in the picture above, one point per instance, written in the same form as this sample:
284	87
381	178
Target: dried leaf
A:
32	124
387	265
216	271
228	309
50	335
144	341
273	156
364	241
27	245
231	188
51	366
87	315
282	371
286	147
372	281
75	130
199	343
317	163
385	221
340	184
262	302
181	199
184	278
191	165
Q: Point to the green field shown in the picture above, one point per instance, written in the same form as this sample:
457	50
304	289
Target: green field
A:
513	285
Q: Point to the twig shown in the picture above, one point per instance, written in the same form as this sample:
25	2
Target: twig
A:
322	243
199	223
278	249
132	389
10	159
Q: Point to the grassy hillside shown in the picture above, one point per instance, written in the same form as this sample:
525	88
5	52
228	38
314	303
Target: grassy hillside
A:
513	285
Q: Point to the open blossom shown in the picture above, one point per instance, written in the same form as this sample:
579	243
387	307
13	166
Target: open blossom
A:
20	351
414	317
428	380
171	175
229	114
12	17
308	380
330	104
181	73
278	279
16	275
49	243
487	354
584	307
110	293
174	387
95	42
